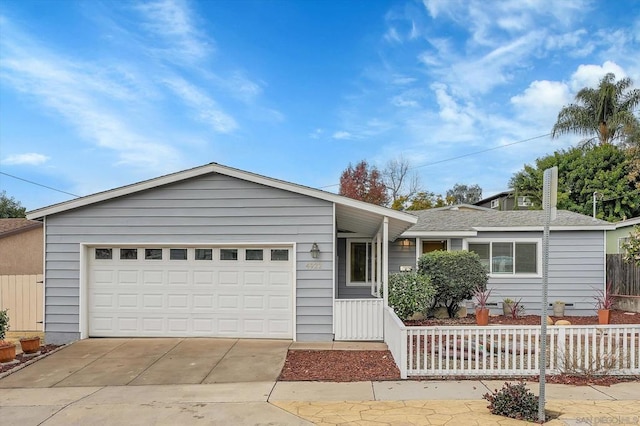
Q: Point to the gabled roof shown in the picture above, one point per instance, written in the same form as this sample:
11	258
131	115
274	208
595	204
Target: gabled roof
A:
17	225
466	222
628	222
354	215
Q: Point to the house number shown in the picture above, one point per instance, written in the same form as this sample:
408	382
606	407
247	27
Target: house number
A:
313	265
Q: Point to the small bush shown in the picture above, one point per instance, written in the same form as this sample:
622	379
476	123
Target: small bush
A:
455	275
409	293
514	401
4	323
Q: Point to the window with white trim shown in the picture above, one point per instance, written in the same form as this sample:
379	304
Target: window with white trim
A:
495	203
360	262
524	202
520	257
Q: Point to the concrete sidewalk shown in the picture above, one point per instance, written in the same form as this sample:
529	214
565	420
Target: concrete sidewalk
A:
302	403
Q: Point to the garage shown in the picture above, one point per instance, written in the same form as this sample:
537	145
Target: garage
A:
182	291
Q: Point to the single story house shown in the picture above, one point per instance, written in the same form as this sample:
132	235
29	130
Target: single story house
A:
21	266
620	235
220	252
210	251
510	246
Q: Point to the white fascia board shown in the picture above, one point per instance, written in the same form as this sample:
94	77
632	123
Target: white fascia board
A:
541	228
228	171
437	234
628	222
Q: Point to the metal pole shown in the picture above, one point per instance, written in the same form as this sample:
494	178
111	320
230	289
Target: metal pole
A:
549	200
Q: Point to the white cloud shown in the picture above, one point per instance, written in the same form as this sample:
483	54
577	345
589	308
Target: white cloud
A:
172	22
31	159
316	134
206	108
541	101
590	75
341	134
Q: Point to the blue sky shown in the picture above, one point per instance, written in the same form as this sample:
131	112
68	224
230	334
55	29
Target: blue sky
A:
99	94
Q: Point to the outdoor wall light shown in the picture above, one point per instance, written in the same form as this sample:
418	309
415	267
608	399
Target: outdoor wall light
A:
315	251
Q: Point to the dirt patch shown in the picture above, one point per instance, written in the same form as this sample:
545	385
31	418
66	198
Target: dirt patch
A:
339	366
23	358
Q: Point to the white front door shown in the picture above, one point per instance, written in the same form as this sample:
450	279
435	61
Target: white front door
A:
214	291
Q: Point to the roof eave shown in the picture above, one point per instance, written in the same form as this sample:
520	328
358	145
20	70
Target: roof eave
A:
224	170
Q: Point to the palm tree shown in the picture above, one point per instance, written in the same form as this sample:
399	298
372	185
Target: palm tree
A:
603	112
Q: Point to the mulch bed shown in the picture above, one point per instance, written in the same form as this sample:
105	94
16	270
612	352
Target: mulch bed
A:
22	358
339	366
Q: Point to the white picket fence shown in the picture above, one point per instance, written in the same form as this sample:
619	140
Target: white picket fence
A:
358	319
511	349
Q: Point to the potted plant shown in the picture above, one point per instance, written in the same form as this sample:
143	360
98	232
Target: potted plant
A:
558	308
30	345
604	303
7	349
482	312
507	306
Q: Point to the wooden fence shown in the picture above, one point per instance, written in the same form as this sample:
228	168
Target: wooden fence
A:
625	276
22	295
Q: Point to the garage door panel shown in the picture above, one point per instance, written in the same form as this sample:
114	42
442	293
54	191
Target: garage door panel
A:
205	297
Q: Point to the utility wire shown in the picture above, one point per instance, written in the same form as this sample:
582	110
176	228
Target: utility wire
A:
39	184
464	155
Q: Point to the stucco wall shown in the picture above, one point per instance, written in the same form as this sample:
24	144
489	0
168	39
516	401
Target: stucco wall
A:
21	253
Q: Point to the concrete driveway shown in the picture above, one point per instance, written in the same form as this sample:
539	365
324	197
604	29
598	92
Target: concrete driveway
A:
154	361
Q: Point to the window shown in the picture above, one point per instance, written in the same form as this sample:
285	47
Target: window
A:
178	254
228	254
104	253
361	261
153	254
279	254
507	257
621	241
128	254
253	254
495	203
524	202
204	254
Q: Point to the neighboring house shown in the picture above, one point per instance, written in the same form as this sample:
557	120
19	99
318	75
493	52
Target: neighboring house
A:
620	235
21	251
214	251
506	200
509	244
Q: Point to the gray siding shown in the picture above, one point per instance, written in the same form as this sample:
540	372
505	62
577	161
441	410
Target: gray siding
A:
400	255
213	209
576	270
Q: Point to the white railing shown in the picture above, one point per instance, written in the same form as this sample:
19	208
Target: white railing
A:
511	349
358	319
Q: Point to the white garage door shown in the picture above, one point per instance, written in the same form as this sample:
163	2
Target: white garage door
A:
191	291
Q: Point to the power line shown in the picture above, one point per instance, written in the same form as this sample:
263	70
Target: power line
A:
465	155
39	184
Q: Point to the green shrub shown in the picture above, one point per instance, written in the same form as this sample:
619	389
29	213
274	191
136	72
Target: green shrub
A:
409	293
514	401
4	323
455	275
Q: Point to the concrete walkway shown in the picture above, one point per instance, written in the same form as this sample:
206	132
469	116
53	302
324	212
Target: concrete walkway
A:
230	381
304	403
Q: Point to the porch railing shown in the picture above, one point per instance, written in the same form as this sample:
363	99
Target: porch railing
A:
358	319
511	350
